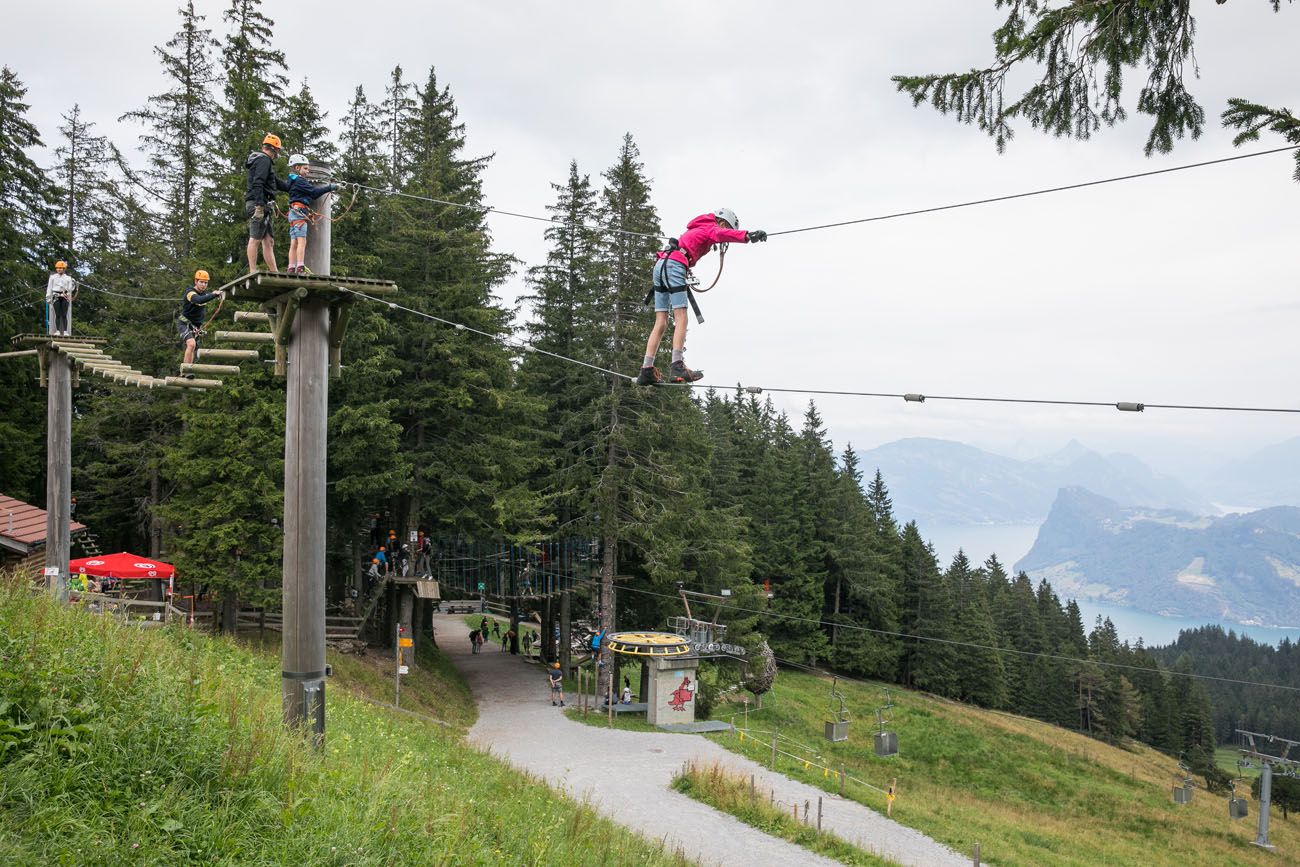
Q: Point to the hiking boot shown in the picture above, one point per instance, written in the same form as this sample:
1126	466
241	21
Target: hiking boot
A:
681	373
649	376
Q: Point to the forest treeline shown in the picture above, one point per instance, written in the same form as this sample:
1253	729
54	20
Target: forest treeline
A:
467	436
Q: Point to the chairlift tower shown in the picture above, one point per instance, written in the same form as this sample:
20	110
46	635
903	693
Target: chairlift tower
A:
1267	765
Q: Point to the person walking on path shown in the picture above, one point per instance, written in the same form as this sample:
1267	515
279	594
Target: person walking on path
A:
475	641
259	202
59	292
671	279
496	629
302	194
556	678
190	323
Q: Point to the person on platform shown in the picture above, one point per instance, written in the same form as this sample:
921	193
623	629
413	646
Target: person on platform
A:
259	201
671	279
59	292
193	314
302	193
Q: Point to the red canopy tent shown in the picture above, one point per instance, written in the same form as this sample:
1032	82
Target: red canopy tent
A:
123	565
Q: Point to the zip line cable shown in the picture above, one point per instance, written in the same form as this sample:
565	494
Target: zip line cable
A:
911	397
969	644
874	219
526	347
608	230
1030	193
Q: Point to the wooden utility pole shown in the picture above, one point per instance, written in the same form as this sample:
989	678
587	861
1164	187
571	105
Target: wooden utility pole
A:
306	424
58	472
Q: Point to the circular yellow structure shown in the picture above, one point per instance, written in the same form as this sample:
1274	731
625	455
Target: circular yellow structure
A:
648	644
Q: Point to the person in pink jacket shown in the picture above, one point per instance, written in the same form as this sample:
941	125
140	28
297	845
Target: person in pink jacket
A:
671	292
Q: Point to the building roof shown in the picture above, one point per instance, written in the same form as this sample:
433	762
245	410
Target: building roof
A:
22	526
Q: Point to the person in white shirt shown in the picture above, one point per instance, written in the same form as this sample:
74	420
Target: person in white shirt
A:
59	293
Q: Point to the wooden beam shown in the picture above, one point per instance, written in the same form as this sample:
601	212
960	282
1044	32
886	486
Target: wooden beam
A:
245	336
285	321
210	368
230	354
19	352
252	316
193	383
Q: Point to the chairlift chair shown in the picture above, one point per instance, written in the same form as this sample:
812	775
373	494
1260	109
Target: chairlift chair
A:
886	741
837	729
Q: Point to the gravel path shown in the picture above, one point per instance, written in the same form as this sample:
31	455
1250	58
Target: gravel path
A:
626	775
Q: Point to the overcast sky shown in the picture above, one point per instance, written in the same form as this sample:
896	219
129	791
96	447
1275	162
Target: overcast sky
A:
1175	289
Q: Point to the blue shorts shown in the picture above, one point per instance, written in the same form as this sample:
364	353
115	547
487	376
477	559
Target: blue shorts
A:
665	299
297	223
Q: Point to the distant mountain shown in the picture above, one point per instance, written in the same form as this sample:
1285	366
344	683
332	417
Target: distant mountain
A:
1243	568
941	482
1269	477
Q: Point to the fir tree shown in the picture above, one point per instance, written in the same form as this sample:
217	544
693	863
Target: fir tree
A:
30	241
1084	51
179	142
303	128
84	160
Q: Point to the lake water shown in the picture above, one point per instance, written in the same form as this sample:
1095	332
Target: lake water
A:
1013	541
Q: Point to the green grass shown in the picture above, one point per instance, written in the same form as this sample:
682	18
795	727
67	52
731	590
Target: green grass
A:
121	746
729	792
1226	758
1029	793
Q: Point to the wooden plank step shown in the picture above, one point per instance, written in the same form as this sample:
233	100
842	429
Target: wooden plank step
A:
251	316
245	337
210	368
230	354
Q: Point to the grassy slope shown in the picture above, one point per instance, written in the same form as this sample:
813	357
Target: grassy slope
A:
166	747
730	793
1029	793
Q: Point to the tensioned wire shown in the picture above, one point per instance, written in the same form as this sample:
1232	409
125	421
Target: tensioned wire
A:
756	389
967	644
613	230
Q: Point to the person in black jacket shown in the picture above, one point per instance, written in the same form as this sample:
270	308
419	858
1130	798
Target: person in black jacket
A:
190	322
259	201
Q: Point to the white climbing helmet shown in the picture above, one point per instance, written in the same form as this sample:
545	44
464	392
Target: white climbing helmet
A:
727	216
297	160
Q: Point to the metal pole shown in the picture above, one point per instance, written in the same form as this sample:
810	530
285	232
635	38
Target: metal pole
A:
397	667
305	446
58	471
1265	795
819	813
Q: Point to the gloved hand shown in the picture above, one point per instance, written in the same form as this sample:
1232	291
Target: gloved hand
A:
755	236
334	187
259	212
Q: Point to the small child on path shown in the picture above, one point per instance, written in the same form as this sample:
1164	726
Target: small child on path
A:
671	287
556	678
301	196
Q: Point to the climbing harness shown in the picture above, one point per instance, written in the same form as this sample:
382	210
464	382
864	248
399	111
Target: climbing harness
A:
692	282
315	216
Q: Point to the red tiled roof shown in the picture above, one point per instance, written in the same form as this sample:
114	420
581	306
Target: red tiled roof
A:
25	523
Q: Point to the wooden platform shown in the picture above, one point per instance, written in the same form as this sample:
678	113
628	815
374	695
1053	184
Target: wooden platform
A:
264	286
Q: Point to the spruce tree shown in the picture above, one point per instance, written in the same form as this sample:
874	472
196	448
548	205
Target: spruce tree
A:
303	128
30	241
1084	51
179	142
83	168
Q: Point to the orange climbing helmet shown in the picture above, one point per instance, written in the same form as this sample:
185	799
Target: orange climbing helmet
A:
60	265
201	275
273	140
555	665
